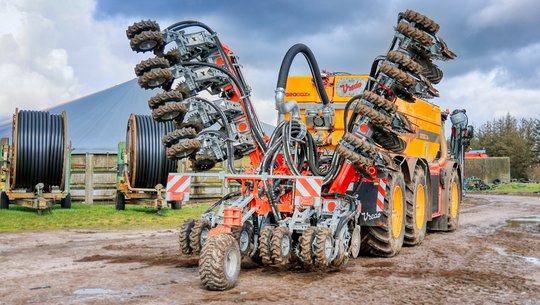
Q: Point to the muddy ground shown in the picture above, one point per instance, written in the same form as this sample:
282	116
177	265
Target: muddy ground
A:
484	262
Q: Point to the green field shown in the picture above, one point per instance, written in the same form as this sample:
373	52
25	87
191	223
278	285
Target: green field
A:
96	216
515	187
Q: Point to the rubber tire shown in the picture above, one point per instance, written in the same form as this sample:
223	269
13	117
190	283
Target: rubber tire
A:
195	241
306	254
138	39
321	260
379	240
120	201
388	141
183	236
265	242
165	75
237	233
184	149
212	263
4	201
277	236
65	203
413	235
141	26
453	222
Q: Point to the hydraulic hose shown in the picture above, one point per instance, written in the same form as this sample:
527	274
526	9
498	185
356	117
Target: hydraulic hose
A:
250	116
314	67
148	165
40	149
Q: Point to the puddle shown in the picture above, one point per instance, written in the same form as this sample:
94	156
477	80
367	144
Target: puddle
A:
533	260
92	291
523	221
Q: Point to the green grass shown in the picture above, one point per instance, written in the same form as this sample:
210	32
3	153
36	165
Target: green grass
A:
86	216
515	187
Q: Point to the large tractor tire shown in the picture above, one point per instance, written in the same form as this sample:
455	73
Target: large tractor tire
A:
454	201
386	240
183	236
219	264
418	203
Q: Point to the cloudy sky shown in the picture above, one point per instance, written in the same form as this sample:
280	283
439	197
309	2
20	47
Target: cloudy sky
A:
52	52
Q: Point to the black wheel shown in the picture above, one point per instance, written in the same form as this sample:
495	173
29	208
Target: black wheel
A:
155	78
65	203
306	253
265	242
454	201
198	235
141	26
165	98
168	112
418	203
386	240
183	236
4	201
344	238
178	134
356	240
324	247
219	264
151	64
176	205
244	236
120	201
146	41
389	141
183	149
281	246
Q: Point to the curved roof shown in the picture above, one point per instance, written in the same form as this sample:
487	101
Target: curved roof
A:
97	122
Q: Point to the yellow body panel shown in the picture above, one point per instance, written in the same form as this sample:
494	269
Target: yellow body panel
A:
425	117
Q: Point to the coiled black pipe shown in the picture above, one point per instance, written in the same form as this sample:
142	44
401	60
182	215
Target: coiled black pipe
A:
40	147
314	67
148	164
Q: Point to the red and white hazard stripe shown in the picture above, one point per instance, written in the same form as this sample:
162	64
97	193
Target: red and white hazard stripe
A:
308	190
381	194
178	187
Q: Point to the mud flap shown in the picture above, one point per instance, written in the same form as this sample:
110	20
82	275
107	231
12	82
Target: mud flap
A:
368	193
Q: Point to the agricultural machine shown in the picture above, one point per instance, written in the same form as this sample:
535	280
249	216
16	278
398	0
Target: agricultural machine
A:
35	168
357	163
143	166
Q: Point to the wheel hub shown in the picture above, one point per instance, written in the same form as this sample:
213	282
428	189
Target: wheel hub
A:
147	45
420	206
397	212
231	261
244	241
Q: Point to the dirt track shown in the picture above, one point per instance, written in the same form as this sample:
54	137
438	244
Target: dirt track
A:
483	262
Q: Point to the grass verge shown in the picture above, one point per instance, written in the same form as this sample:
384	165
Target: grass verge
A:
94	217
515	187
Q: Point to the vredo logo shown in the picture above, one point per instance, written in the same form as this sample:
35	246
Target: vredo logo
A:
346	87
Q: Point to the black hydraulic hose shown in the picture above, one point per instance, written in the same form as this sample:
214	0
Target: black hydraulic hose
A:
230	150
258	137
314	67
241	84
226	197
152	165
40	150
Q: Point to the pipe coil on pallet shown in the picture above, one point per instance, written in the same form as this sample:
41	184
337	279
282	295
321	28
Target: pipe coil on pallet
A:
148	165
39	149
